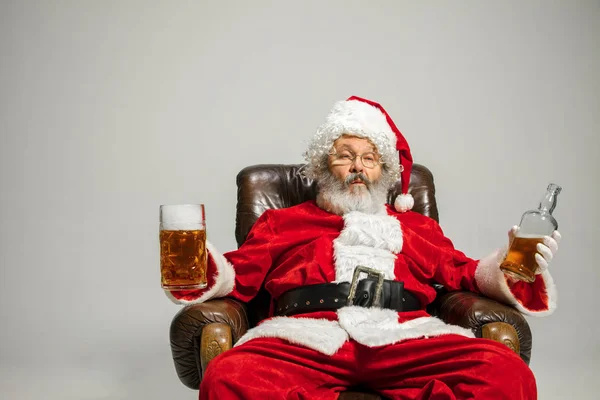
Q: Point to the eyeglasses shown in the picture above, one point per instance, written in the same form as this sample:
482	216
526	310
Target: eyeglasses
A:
347	157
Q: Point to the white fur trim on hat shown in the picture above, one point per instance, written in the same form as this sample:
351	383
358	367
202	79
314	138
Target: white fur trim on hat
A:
357	118
404	202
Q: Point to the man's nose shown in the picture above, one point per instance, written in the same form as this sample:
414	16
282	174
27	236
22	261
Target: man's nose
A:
356	165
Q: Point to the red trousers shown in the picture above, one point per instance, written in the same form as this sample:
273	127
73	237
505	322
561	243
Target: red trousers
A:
439	368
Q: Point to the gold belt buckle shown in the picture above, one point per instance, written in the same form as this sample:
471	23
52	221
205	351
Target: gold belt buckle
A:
355	279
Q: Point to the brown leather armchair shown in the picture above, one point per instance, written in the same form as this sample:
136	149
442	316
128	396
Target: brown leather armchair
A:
200	332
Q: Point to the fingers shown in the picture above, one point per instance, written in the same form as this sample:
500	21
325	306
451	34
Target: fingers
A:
545	251
556	236
512	233
551	243
542	264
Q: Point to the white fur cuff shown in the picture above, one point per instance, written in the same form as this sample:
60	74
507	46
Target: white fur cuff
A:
491	281
224	279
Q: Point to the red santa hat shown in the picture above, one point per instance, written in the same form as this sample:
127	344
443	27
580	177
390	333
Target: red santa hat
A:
365	118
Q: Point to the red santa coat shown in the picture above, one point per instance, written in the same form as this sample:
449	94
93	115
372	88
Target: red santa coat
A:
305	245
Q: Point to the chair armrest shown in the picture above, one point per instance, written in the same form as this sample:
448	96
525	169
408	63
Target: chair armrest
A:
487	318
199	332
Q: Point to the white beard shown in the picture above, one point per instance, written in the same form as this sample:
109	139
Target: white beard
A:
339	197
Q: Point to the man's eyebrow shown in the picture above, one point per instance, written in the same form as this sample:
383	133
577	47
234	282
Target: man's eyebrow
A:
347	147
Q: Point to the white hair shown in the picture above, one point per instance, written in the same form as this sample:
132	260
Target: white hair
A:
354	118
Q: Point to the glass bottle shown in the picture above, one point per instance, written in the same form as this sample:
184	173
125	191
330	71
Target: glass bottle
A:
535	224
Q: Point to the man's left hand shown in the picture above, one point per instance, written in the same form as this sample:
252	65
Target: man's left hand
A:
546	251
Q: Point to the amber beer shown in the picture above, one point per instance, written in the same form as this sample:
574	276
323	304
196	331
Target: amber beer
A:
183	256
520	260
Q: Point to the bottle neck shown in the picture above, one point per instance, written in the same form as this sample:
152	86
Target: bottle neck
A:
548	202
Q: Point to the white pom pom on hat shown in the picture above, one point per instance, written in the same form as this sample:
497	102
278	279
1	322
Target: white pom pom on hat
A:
404	202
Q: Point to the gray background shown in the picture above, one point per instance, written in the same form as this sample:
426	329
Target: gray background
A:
109	109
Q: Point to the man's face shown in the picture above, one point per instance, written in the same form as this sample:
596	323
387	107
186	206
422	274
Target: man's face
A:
347	147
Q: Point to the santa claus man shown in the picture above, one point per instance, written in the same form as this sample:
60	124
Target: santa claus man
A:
351	278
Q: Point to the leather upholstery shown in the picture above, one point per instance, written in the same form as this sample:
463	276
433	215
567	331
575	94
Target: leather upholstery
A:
186	334
261	187
474	312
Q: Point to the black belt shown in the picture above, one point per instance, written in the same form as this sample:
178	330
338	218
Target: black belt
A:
332	296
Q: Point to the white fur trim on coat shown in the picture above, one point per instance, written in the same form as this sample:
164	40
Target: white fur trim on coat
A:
348	257
368	326
224	279
379	326
378	231
321	335
368	240
492	283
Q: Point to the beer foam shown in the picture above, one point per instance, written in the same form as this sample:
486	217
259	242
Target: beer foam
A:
530	236
183	215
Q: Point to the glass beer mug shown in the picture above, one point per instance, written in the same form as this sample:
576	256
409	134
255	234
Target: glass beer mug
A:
183	256
535	224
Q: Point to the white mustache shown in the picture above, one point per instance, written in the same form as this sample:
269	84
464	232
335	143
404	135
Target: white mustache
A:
352	177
